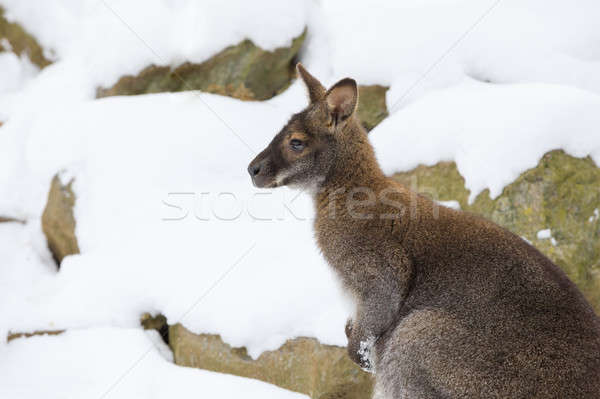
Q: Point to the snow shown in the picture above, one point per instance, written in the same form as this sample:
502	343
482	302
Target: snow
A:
111	38
544	234
112	363
366	353
167	220
16	72
595	215
507	41
452	204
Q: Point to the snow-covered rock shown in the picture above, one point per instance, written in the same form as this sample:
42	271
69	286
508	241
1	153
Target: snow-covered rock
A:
243	71
300	364
13	38
166	219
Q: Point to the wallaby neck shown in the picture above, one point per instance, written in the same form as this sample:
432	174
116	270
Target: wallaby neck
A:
355	165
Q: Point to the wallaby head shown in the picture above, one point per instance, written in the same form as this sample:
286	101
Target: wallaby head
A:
303	152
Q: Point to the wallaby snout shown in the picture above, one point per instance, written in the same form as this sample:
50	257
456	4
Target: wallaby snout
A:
260	170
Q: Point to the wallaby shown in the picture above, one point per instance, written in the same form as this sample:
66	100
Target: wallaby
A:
448	304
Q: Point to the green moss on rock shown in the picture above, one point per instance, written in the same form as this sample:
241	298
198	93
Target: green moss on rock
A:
20	42
372	108
243	71
301	364
561	193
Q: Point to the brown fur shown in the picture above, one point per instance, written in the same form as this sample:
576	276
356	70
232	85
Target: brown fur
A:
449	305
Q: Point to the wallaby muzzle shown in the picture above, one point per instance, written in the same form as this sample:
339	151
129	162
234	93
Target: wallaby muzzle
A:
260	170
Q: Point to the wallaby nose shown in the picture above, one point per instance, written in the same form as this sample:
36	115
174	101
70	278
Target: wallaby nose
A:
254	168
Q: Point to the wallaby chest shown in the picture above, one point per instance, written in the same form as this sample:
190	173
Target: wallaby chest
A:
362	252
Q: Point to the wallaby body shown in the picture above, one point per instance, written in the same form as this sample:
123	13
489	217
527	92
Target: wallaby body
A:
449	305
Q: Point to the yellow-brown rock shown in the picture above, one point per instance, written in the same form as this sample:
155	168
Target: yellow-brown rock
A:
20	41
301	364
372	107
58	222
243	71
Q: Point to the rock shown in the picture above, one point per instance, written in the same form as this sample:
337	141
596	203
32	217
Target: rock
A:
58	222
372	108
7	219
301	364
562	193
243	71
150	322
158	323
20	42
12	336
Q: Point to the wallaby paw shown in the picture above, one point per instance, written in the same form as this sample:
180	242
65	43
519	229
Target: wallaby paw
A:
365	355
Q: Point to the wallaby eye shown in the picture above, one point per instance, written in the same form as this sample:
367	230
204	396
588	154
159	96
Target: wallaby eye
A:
297	145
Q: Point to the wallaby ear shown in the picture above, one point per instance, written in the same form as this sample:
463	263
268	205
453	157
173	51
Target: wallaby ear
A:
316	91
342	99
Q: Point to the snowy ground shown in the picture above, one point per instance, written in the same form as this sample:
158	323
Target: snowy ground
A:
97	363
167	220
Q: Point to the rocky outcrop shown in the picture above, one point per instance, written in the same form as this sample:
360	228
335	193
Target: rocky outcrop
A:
562	194
372	108
14	38
58	222
301	364
243	71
